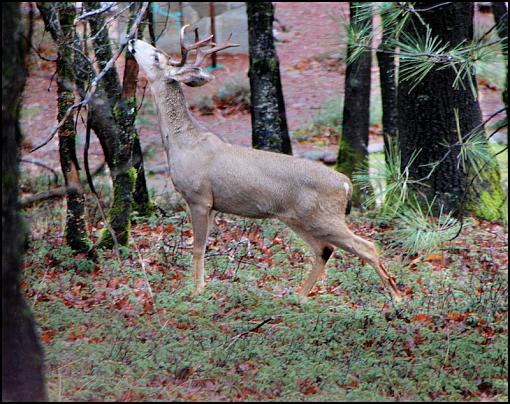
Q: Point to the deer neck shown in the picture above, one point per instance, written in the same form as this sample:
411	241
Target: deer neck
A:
178	128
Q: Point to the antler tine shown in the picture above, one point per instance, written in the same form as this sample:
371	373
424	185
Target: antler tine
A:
186	48
201	54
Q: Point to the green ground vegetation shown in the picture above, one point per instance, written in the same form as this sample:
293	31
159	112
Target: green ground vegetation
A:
130	330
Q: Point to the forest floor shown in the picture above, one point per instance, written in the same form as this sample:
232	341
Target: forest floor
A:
129	330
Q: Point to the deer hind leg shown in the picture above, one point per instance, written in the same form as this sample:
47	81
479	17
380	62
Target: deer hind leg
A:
348	241
322	251
321	258
200	217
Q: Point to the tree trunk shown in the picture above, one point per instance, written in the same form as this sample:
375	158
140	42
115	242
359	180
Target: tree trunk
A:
269	123
388	82
22	358
427	122
212	17
59	18
143	204
500	12
353	152
119	141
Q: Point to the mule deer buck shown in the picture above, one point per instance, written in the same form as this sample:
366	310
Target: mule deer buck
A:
214	176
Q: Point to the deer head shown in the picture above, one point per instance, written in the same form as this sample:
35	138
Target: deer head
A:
157	65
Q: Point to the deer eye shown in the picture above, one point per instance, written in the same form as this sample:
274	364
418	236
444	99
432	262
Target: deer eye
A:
156	57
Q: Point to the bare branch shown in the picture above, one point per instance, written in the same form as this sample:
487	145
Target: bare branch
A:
252	330
41	164
93	85
113	17
103	9
44	196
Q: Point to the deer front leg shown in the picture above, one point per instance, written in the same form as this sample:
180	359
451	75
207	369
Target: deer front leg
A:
200	216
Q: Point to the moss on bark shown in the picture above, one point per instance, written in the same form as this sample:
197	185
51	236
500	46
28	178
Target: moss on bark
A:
120	210
349	161
123	176
141	197
486	198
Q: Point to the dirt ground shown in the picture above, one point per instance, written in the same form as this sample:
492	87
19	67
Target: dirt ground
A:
311	44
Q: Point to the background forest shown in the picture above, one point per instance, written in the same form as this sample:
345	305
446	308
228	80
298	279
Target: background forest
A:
409	100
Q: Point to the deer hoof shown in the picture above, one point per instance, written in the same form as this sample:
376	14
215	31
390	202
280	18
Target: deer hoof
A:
397	297
302	299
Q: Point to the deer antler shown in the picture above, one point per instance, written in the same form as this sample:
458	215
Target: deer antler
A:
186	48
201	54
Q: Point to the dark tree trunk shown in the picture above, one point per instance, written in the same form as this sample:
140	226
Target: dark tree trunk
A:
59	18
386	60
269	123
353	152
22	358
150	26
427	123
143	204
500	12
212	15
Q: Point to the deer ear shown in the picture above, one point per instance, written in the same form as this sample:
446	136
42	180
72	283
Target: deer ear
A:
193	77
197	79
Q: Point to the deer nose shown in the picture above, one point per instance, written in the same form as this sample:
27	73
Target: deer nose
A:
131	45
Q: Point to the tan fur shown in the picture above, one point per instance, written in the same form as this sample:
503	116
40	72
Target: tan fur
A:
213	175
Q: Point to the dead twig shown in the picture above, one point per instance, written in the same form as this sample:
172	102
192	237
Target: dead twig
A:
252	330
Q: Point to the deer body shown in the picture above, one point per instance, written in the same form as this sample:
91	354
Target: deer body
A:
238	180
213	175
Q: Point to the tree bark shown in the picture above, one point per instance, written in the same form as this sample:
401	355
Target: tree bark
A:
353	152
427	122
500	11
268	119
212	17
114	124
123	174
22	357
388	84
142	202
59	18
